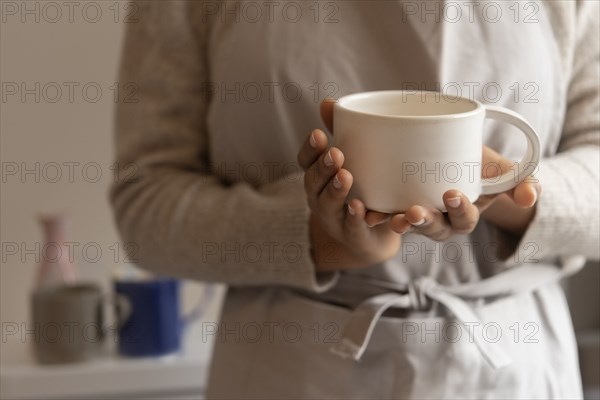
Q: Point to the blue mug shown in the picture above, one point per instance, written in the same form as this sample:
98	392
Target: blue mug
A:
148	314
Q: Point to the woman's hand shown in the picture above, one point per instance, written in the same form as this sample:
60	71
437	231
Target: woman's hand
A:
343	236
511	211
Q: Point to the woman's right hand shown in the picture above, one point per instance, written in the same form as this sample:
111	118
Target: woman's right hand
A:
343	236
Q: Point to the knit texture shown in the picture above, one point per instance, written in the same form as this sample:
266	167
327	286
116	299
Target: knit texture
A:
184	220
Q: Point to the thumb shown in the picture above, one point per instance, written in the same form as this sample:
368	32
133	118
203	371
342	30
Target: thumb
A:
327	112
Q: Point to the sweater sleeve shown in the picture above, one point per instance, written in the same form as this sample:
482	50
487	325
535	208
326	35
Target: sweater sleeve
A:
175	216
567	220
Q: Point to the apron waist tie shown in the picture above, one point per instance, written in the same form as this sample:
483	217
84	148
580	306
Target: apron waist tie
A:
357	333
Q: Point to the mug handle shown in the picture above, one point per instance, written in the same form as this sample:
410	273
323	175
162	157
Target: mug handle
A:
200	307
123	309
526	166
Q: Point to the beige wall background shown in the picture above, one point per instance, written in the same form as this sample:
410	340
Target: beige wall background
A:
53	128
56	145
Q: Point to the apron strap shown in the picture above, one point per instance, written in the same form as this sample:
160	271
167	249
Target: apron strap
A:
357	333
519	279
493	354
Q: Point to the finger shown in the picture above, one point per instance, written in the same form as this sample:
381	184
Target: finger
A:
526	193
399	224
331	202
327	113
485	201
314	145
374	218
428	222
494	164
462	214
320	173
354	225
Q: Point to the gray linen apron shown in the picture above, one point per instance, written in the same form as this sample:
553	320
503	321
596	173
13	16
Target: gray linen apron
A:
413	327
518	344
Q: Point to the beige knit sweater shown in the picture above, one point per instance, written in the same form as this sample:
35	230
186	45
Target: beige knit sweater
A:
187	194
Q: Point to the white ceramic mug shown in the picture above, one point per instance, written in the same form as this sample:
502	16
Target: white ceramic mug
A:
408	148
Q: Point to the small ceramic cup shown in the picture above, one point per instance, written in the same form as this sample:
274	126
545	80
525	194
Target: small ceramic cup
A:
408	148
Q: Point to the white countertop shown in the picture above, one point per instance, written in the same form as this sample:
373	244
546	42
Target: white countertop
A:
181	375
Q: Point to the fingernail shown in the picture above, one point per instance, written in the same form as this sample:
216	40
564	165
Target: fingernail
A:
351	210
454	202
336	182
419	222
312	141
328	159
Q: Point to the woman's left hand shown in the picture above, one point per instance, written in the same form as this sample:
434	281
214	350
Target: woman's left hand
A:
463	216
